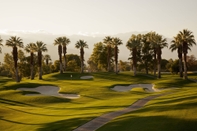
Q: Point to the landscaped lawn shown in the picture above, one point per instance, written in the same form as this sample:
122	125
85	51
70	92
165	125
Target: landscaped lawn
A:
49	113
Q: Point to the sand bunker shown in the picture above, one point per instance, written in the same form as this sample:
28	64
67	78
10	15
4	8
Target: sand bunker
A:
49	91
86	77
146	87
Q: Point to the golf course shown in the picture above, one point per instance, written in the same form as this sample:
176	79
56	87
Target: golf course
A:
93	97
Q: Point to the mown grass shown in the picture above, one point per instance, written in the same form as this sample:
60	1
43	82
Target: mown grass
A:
173	112
49	113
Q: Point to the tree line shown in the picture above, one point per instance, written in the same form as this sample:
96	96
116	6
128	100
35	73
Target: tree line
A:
145	49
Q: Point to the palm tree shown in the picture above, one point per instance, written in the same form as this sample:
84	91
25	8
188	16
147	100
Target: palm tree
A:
47	58
133	44
15	42
159	44
187	40
146	51
116	43
108	41
30	48
153	45
65	42
58	41
81	44
40	47
176	45
1	40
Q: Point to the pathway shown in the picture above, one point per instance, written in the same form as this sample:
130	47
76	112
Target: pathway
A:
103	119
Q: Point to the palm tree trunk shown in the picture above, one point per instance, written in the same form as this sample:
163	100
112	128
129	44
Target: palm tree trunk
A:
40	64
15	58
32	65
155	62
64	62
159	62
61	68
180	67
185	66
17	76
146	67
82	58
116	58
109	57
159	70
40	72
134	61
32	72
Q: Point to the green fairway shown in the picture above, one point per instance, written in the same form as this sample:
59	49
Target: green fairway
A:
49	113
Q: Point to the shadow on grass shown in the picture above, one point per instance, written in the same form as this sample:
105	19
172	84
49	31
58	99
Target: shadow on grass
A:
150	123
64	125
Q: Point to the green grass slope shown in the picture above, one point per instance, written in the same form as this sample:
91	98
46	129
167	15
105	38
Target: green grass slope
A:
49	113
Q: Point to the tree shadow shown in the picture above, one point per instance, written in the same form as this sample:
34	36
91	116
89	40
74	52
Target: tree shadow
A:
150	123
64	125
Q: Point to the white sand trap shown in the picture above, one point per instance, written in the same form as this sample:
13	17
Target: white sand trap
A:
147	87
86	77
49	91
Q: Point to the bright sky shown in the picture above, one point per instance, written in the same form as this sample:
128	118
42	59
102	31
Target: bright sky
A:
166	17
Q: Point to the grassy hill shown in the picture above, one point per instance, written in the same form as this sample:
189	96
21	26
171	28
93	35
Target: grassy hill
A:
48	113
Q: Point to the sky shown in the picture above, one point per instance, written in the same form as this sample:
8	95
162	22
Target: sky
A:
166	17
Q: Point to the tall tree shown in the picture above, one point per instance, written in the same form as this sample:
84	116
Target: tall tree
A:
81	44
146	56
151	38
176	45
116	43
30	48
98	58
1	40
186	37
40	47
58	41
65	42
160	43
47	58
108	41
15	42
133	44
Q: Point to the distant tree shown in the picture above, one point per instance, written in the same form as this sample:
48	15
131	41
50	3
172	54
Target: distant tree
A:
98	59
177	45
191	63
81	44
40	47
9	65
108	41
65	42
173	66
15	42
187	40
30	48
133	44
116	42
58	41
159	43
23	65
124	66
1	40
73	62
47	58
56	65
146	52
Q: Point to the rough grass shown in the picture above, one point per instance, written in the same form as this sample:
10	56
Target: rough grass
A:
48	113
